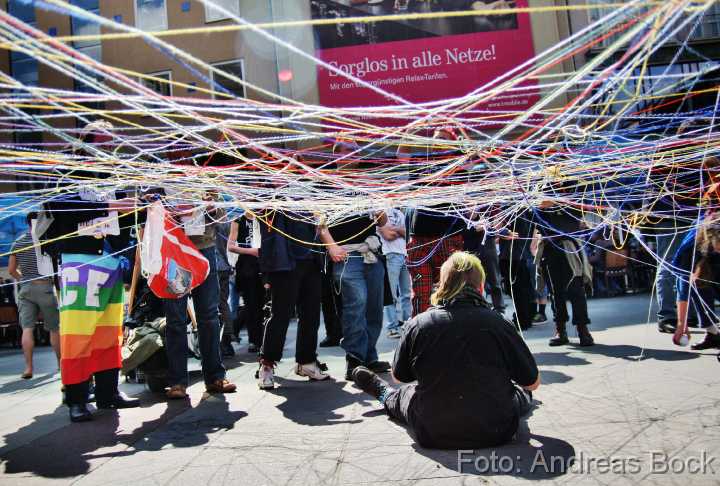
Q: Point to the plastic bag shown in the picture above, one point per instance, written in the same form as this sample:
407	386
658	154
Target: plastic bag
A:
181	266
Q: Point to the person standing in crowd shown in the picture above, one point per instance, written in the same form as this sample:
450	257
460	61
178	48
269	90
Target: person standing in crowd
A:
474	372
515	263
565	266
394	247
82	232
435	236
541	294
483	245
201	223
290	265
244	241
697	262
353	246
36	295
224	272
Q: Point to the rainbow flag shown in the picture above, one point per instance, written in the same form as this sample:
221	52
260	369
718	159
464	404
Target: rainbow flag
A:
91	315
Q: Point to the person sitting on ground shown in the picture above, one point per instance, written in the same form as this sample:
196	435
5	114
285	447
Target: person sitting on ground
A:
474	372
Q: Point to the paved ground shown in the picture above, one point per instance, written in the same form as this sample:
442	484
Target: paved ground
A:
631	396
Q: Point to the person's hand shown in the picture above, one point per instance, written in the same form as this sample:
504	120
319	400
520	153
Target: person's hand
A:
546	204
681	331
510	235
337	254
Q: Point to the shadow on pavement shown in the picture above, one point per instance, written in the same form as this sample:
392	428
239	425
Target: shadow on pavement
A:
68	452
315	403
633	353
530	456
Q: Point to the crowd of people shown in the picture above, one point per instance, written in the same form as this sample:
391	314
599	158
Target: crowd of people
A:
416	273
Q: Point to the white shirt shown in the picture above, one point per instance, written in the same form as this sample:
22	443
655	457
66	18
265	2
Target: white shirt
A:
398	245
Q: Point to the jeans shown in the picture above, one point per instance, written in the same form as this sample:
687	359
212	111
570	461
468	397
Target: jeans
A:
401	286
362	287
300	286
667	245
206	299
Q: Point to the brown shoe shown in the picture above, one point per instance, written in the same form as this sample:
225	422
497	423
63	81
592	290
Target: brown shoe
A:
220	386
177	392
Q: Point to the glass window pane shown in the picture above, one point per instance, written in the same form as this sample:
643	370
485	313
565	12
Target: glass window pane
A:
150	15
25	71
212	15
165	89
234	68
23	10
81	26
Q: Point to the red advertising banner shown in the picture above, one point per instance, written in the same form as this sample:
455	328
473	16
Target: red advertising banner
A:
421	60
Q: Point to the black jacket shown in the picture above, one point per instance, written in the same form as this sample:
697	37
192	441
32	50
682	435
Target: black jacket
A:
278	252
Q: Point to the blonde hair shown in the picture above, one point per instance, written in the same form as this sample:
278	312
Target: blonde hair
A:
459	270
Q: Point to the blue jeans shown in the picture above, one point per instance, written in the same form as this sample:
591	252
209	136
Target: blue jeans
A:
362	288
667	245
401	286
206	298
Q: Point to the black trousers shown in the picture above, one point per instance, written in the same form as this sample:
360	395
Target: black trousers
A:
487	253
253	294
106	388
223	305
299	287
564	286
398	402
518	275
331	306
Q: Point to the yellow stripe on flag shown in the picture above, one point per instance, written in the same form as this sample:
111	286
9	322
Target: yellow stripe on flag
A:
85	321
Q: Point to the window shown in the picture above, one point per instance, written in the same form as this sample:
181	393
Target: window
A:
231	67
23	10
213	15
81	26
163	88
151	15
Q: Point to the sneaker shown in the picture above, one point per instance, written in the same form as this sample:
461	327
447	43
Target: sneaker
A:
369	382
352	363
311	370
667	326
539	317
379	367
177	392
266	377
220	386
394	333
711	341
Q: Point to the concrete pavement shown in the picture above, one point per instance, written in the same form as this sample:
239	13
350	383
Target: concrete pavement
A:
606	414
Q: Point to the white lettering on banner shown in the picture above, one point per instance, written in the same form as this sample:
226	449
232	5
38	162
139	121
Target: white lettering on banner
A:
68	276
96	279
466	56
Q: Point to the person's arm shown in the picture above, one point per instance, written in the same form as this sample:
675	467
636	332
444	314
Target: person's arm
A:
232	245
336	252
388	232
402	369
520	361
381	218
13	268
